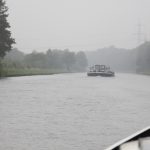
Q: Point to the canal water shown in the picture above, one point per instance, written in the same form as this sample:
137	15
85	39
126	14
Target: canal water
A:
71	111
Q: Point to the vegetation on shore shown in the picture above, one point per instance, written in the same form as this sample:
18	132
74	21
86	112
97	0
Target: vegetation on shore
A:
135	60
16	63
12	72
143	59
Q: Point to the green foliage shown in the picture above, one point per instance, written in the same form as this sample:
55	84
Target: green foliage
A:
119	59
6	40
36	60
29	71
143	58
81	60
65	60
69	59
53	61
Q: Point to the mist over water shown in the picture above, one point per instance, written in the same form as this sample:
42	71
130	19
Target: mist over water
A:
71	111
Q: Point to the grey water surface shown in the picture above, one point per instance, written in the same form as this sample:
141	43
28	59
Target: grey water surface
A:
71	111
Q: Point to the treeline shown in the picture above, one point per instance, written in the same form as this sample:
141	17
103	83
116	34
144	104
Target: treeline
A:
57	61
119	59
123	60
143	58
63	60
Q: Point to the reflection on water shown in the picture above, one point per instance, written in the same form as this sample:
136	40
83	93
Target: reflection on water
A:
71	111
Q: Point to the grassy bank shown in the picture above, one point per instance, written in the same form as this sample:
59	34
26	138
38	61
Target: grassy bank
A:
11	72
143	72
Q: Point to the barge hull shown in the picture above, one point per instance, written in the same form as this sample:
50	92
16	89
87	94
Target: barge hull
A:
100	74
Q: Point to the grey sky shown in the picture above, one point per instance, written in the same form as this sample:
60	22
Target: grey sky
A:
77	24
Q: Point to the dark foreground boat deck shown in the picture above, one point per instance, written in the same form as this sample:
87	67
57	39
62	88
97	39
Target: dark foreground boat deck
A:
137	141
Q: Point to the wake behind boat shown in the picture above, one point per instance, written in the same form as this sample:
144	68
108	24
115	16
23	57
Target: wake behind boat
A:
100	70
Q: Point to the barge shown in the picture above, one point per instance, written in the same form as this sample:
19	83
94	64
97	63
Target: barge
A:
100	70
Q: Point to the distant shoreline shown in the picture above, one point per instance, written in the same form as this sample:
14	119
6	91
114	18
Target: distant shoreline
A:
144	73
11	72
29	72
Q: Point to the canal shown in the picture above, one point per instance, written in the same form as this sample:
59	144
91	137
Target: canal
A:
71	111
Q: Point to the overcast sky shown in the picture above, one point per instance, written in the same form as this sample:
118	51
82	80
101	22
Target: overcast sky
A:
77	24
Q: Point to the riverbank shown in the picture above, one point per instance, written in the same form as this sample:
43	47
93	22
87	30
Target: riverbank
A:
14	72
144	73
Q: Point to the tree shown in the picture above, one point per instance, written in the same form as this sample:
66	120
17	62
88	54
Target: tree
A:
69	59
143	57
36	60
6	40
81	61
